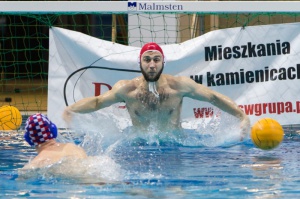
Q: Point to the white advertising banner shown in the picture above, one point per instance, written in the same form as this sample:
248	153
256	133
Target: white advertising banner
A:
257	66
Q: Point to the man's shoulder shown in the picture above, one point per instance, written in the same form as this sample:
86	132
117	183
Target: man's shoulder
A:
128	84
181	84
176	79
71	145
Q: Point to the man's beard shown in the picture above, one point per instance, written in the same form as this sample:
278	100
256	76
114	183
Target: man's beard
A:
155	78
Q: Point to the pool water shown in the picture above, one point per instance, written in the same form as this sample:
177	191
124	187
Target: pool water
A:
162	170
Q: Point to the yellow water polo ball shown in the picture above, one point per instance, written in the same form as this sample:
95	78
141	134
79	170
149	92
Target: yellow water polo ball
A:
10	118
267	133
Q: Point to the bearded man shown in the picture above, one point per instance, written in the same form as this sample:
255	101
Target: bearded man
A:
155	98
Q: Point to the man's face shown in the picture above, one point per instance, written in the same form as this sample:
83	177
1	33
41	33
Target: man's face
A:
152	65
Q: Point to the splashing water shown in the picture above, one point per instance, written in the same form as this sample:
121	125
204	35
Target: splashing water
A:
103	130
106	135
94	169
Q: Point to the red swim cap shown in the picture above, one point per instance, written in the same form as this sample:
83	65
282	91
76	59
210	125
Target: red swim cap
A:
151	47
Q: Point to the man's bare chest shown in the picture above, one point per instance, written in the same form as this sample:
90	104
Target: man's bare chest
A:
145	100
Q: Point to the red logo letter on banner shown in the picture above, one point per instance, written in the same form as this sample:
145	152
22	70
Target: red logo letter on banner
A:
98	90
98	87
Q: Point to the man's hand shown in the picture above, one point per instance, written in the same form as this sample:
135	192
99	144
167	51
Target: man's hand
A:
245	127
67	115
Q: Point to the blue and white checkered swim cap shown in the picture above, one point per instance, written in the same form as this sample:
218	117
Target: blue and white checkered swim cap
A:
39	129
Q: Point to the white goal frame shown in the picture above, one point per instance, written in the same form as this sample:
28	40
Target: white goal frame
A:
152	6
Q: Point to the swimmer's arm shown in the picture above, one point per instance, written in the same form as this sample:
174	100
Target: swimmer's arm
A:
27	172
203	93
36	163
31	169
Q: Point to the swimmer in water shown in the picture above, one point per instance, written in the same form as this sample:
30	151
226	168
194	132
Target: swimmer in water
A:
63	160
154	96
40	132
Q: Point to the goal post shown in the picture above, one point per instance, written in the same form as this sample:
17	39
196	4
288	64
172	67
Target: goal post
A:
46	7
24	31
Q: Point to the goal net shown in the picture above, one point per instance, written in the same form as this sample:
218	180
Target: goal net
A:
246	50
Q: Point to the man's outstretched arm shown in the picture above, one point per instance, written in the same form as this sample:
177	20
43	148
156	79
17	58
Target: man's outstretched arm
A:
203	93
91	104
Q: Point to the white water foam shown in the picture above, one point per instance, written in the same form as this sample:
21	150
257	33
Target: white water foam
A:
102	132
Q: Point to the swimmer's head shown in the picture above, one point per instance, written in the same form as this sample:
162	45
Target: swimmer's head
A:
39	129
